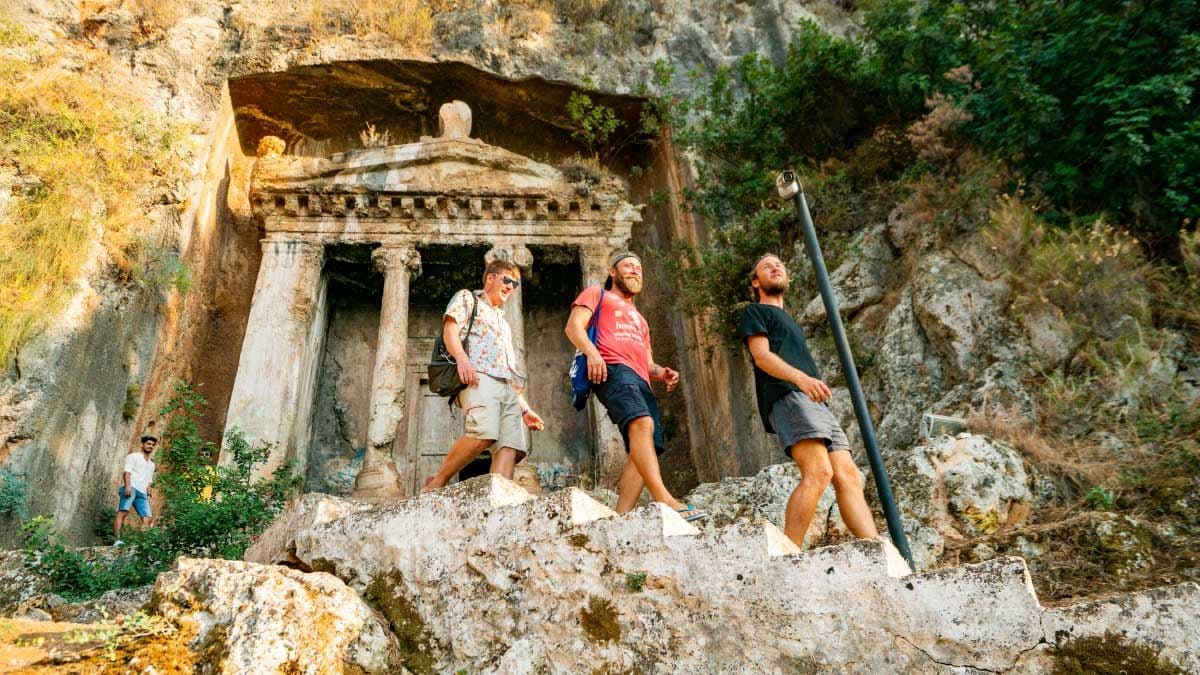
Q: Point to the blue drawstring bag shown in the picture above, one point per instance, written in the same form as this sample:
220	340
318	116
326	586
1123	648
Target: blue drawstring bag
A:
581	387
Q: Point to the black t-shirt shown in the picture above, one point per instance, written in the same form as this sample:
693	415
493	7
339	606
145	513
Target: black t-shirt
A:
787	342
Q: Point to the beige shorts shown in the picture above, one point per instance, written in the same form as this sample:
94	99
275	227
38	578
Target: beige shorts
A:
492	411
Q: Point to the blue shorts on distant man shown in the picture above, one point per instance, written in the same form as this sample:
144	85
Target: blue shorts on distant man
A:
139	500
626	397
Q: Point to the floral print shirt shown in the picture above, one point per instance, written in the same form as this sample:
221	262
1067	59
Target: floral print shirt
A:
491	347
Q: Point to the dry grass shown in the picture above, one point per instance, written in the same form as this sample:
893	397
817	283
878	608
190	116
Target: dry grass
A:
409	22
85	156
159	15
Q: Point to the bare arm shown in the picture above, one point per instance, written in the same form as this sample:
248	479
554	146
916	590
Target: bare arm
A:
770	363
669	376
466	372
576	331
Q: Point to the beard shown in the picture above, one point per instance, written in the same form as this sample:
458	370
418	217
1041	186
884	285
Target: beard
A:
628	286
769	287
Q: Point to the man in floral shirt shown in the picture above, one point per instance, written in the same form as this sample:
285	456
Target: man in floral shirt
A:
494	409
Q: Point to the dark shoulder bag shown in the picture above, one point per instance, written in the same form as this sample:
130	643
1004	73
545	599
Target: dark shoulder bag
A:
443	371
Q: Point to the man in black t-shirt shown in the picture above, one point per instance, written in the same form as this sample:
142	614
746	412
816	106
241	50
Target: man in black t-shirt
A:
793	403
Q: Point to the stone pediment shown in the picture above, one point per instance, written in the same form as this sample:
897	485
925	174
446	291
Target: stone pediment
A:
451	166
435	179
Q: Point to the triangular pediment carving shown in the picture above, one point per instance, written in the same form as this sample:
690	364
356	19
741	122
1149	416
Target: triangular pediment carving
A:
436	179
448	166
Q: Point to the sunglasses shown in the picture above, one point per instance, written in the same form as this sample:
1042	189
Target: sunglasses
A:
509	281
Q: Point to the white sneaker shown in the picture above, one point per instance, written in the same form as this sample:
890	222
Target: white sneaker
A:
118	543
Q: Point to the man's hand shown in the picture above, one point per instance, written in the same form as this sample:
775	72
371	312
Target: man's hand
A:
532	420
597	369
670	378
815	389
466	372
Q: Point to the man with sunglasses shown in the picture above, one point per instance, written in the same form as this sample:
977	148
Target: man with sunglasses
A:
493	407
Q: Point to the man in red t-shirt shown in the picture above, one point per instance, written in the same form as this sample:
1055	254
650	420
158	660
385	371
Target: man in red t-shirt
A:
620	367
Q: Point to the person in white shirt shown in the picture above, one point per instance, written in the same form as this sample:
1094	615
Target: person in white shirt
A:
135	487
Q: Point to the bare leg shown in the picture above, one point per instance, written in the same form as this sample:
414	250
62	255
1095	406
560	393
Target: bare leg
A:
461	453
847	484
643	457
629	488
504	462
120	522
815	473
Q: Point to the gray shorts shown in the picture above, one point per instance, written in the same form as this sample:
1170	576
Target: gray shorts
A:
796	418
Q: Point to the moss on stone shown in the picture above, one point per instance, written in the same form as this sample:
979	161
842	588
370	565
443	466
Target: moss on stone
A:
386	593
578	540
599	620
1109	655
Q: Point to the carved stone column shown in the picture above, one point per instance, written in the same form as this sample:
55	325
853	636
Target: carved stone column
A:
379	480
514	308
610	448
276	380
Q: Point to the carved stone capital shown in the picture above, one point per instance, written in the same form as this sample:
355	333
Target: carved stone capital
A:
390	258
518	254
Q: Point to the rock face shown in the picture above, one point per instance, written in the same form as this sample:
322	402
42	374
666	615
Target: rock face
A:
256	618
485	578
862	279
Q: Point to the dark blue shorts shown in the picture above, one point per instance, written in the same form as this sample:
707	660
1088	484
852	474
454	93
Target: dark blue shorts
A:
626	397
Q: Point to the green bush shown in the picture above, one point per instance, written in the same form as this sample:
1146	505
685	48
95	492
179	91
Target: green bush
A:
14	494
209	510
1093	101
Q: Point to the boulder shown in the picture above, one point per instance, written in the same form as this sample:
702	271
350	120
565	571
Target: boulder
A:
470	579
954	487
246	617
277	544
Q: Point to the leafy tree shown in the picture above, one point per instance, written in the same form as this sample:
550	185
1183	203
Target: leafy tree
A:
1095	102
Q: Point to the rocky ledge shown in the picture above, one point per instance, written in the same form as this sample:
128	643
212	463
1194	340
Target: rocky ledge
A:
483	577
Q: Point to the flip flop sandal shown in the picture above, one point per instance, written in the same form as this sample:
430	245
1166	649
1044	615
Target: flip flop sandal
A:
691	513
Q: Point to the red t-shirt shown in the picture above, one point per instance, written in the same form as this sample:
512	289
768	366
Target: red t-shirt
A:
622	334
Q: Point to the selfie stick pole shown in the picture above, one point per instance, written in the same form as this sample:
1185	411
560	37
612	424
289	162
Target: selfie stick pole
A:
789	187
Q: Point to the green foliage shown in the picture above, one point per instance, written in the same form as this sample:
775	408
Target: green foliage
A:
133	397
595	123
70	574
1092	105
14	494
213	510
208	510
745	124
1099	498
635	581
1093	102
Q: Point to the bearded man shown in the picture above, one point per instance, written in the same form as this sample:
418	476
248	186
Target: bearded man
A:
794	404
620	367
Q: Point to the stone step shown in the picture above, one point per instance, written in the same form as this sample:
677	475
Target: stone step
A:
428	535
